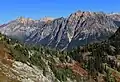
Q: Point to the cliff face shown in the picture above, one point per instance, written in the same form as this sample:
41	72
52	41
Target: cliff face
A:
63	33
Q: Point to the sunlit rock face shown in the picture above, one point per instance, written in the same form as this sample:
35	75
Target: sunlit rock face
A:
116	18
46	19
62	33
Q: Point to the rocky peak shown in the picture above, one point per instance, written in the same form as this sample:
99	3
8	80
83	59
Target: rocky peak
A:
24	20
46	19
83	13
115	16
93	16
80	13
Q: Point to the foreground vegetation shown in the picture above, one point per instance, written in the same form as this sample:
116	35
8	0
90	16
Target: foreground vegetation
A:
99	60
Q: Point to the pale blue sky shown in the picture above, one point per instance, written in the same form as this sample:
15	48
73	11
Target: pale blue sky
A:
36	9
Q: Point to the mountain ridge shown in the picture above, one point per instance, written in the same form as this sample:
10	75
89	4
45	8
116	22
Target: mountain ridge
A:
63	33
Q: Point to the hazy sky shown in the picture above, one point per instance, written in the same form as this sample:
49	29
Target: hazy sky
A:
36	9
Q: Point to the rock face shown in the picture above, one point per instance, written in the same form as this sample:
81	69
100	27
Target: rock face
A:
63	33
116	18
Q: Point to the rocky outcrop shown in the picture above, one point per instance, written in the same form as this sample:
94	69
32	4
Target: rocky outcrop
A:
115	16
78	29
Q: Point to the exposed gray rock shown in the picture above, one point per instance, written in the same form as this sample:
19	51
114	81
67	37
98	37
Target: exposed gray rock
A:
115	16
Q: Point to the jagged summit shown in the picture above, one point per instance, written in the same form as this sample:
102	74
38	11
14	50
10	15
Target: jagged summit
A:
24	20
30	20
83	13
45	19
87	13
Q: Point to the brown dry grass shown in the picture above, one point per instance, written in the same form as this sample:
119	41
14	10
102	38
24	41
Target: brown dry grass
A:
4	78
5	57
76	68
6	62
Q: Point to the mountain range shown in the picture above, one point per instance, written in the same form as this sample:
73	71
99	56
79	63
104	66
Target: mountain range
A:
78	29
